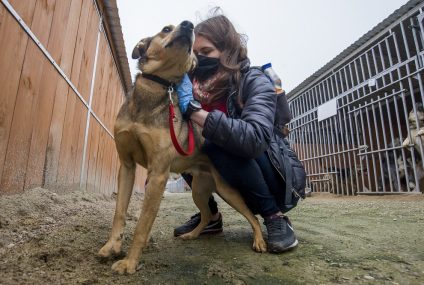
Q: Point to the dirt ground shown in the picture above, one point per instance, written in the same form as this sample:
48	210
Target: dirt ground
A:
49	237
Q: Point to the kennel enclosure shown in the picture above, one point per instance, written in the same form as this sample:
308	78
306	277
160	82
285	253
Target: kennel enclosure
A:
352	115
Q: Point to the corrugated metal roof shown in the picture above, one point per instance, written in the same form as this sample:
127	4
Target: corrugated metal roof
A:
356	45
113	23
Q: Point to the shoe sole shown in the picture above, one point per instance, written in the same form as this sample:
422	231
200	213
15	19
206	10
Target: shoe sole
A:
293	245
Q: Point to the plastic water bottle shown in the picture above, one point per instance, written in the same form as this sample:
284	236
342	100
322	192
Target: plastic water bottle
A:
275	79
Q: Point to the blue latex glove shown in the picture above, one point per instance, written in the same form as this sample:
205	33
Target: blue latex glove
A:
185	93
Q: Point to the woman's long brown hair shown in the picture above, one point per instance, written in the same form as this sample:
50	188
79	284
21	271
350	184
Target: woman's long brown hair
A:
221	32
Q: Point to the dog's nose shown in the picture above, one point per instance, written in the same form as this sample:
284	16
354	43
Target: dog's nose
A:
187	25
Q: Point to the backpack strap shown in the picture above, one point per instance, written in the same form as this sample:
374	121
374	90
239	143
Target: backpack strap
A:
289	174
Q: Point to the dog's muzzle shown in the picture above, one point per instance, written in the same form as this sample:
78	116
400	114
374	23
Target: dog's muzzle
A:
184	35
187	25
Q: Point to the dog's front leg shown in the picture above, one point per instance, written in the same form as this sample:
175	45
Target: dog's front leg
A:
406	142
420	133
125	185
151	203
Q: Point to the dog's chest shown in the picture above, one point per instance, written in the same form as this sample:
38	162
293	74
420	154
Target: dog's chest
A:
150	109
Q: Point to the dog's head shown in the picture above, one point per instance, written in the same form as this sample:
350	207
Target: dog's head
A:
168	54
419	116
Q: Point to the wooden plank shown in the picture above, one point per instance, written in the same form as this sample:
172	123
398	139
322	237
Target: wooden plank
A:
112	107
104	179
59	25
88	53
79	46
21	130
107	159
84	48
117	101
3	13
107	86
114	169
110	98
111	175
66	60
100	159
83	179
106	183
109	89
98	87
101	78
115	159
72	140
25	9
112	102
67	150
78	139
56	133
13	44
60	102
41	117
103	72
42	106
92	155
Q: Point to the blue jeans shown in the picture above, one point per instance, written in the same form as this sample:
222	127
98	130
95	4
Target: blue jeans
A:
256	179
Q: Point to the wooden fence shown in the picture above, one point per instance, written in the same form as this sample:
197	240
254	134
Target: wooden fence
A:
60	91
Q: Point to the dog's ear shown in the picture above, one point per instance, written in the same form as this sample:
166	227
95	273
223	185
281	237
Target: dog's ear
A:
141	48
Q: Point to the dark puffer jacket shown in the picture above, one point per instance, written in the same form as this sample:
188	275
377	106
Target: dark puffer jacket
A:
245	132
249	131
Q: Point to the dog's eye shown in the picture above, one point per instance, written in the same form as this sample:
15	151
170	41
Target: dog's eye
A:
166	30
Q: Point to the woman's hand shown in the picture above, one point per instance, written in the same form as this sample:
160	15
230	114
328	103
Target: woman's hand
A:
185	93
199	117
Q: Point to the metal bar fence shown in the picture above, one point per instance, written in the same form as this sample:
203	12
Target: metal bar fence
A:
374	142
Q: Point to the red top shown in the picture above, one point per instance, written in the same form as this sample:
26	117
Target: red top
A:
221	105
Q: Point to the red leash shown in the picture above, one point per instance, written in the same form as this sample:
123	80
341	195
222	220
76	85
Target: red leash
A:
172	131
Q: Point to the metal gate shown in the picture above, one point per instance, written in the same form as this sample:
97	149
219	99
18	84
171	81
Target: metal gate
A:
358	129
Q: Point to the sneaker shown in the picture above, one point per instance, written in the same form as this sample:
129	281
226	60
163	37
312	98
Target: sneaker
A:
280	234
212	228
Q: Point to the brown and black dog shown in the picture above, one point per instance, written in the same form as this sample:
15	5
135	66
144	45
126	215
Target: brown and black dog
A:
142	136
416	137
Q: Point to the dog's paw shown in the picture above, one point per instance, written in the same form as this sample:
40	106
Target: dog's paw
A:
259	246
110	248
124	266
188	236
405	143
420	133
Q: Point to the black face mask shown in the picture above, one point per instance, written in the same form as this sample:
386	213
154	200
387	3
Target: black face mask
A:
206	67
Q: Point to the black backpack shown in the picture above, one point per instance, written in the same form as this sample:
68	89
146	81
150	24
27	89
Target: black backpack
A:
295	175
